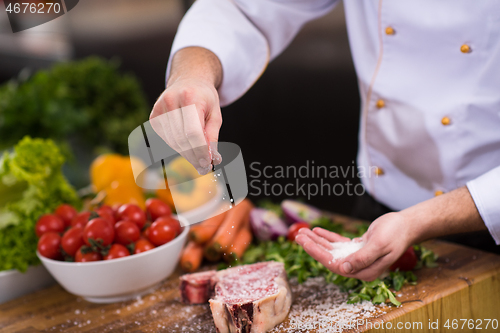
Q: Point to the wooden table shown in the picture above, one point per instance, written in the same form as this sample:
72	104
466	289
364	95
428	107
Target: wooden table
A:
466	285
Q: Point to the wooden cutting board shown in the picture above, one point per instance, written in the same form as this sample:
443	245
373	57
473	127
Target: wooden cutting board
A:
466	286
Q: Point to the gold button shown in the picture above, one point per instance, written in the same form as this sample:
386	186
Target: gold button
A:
380	103
445	121
389	31
379	171
465	48
438	192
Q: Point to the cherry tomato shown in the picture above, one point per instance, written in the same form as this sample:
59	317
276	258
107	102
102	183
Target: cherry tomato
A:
80	220
98	229
156	208
132	213
172	222
406	262
117	251
107	213
145	232
177	225
294	229
89	256
49	245
162	231
115	208
48	223
143	245
126	232
72	240
66	213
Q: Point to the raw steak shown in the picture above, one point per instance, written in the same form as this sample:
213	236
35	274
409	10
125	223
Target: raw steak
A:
197	288
251	298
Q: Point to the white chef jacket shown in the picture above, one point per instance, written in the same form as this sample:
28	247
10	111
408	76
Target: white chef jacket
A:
429	77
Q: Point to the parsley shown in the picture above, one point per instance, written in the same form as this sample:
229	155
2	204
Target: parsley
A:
426	258
88	97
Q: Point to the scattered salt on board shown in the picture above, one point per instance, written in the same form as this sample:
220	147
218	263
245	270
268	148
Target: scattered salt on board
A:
343	249
322	307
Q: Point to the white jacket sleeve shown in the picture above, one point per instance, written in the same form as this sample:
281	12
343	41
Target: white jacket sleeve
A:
245	35
485	191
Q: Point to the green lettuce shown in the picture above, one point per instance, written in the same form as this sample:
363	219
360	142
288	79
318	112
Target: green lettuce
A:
31	184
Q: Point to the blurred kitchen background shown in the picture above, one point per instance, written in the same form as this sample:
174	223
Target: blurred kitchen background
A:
304	108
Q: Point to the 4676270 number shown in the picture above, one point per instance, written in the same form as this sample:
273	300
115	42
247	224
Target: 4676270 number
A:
471	324
34	8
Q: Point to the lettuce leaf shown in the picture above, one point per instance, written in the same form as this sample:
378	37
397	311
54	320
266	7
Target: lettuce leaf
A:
31	184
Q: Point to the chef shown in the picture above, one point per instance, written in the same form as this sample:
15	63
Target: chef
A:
429	79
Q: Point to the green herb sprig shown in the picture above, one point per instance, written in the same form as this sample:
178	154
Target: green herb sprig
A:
426	258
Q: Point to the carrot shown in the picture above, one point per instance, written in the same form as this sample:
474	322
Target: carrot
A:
223	239
211	253
204	231
191	257
239	246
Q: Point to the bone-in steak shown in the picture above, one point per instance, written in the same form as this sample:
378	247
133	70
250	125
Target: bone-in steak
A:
250	299
245	299
197	288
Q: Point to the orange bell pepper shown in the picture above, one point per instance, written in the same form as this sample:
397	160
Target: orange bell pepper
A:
112	173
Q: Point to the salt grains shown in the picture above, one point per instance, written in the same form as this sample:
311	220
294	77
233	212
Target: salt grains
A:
343	249
322	307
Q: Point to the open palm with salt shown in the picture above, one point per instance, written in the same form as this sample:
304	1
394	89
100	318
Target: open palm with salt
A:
364	258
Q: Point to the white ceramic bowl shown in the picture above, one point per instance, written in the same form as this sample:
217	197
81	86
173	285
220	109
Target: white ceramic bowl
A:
15	284
119	279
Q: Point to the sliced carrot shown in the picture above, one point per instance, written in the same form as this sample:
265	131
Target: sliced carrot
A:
191	257
239	246
236	217
204	231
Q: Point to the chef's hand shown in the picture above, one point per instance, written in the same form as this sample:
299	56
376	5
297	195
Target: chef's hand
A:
385	241
391	234
192	124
